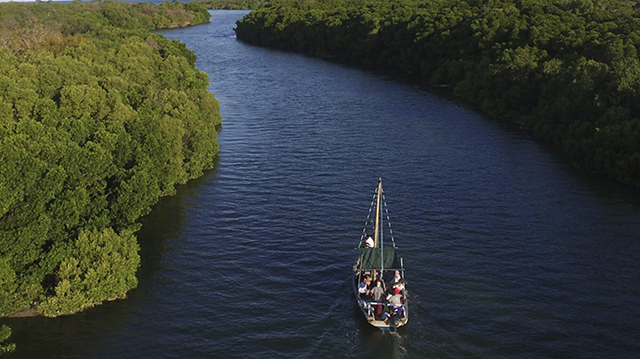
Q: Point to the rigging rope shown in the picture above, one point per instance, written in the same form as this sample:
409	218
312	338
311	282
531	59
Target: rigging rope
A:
386	210
368	220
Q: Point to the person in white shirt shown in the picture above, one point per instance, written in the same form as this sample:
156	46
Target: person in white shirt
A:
397	277
363	288
395	304
368	241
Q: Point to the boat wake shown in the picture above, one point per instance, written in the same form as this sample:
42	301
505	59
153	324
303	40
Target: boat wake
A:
399	340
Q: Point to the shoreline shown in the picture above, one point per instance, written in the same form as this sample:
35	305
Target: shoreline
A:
26	312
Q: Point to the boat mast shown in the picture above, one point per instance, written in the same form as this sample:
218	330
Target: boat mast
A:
381	236
378	214
375	240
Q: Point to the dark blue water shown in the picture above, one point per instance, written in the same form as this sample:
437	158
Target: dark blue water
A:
509	252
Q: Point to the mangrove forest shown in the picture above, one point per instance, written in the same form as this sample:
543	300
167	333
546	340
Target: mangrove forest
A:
99	118
568	70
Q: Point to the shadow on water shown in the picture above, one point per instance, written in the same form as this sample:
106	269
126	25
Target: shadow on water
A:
76	336
165	223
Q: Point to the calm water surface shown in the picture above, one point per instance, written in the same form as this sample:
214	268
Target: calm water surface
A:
510	253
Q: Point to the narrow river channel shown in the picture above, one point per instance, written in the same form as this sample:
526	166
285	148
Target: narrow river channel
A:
509	252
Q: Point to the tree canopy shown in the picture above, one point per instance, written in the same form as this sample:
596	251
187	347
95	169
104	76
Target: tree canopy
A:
567	69
233	4
98	119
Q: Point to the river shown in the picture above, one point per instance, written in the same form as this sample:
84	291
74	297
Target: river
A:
510	253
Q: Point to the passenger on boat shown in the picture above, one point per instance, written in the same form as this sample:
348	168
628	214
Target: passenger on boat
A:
363	288
368	241
397	277
391	290
378	292
400	285
395	304
395	300
378	297
392	278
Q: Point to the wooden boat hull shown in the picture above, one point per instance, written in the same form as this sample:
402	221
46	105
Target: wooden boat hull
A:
376	258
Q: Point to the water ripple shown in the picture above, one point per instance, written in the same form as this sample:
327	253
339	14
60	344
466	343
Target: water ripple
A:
509	252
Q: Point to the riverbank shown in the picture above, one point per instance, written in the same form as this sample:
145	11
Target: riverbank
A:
99	118
26	312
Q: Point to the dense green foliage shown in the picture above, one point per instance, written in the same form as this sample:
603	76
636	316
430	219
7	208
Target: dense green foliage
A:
98	119
85	279
233	4
567	69
5	333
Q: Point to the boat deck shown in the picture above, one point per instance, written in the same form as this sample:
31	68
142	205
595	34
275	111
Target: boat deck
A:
384	324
